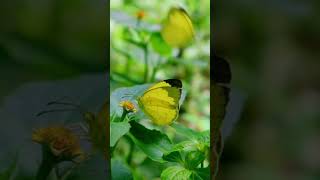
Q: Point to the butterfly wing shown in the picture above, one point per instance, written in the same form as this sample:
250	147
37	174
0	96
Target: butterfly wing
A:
161	101
177	29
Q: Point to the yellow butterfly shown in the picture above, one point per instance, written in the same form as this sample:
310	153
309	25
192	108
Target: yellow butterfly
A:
161	101
177	29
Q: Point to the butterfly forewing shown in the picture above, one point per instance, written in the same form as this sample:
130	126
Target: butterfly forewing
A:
161	101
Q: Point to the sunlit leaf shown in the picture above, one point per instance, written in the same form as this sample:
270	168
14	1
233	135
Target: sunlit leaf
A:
176	172
117	130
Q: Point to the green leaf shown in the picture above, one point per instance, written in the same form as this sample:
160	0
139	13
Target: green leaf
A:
173	156
204	138
159	45
117	130
181	173
193	159
186	132
132	35
152	142
120	171
201	174
176	172
186	146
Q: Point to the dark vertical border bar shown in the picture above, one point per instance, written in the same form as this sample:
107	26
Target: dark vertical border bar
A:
220	79
211	69
108	89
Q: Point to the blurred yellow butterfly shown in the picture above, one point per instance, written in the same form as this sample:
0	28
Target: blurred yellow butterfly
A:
161	101
177	29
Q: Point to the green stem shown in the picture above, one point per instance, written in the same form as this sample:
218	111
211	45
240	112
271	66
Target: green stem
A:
146	67
124	114
129	158
155	69
180	53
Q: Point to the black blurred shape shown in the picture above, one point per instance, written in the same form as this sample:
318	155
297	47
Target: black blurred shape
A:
221	72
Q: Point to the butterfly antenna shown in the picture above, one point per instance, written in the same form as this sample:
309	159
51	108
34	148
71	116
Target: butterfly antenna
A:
54	110
130	96
81	109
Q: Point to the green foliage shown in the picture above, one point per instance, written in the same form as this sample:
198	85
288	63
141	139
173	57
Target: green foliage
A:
179	172
174	156
159	45
117	130
193	159
120	171
152	142
176	172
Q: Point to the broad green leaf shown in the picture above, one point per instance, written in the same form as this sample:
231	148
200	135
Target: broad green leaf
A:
193	159
197	140
176	172
173	156
186	132
152	142
119	171
181	173
159	45
188	145
201	174
117	130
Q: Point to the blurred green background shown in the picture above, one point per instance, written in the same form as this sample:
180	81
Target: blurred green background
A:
273	48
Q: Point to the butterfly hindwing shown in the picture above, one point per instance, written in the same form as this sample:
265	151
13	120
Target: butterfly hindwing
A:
161	101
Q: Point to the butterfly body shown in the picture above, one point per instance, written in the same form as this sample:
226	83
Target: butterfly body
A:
161	101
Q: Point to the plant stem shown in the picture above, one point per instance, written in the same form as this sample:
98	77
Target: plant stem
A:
124	114
129	158
146	67
180	53
155	69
